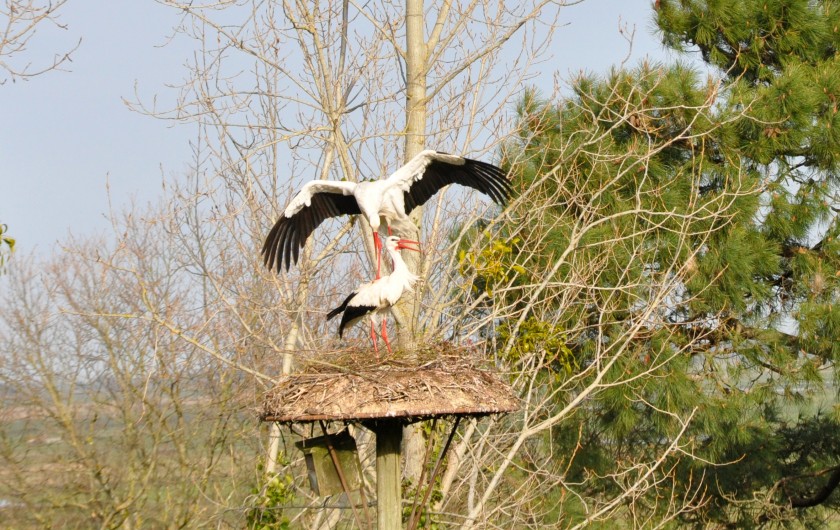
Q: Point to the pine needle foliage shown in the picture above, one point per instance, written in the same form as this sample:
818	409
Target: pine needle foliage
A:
682	230
781	57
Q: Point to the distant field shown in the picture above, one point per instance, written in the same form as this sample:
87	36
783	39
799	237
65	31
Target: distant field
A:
107	473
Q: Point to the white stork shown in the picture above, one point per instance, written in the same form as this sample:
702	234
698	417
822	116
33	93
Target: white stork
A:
392	198
375	298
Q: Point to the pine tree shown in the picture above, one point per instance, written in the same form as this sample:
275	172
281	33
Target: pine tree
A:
724	197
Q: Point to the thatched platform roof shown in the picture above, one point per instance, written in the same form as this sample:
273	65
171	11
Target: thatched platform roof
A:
441	380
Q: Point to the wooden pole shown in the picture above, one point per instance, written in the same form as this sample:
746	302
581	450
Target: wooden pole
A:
388	494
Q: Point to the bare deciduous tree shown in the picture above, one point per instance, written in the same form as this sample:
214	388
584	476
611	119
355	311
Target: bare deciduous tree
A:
20	20
114	417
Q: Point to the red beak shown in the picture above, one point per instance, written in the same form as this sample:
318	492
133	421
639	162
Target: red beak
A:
401	245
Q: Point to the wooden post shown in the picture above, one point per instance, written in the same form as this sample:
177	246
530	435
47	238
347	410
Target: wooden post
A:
388	486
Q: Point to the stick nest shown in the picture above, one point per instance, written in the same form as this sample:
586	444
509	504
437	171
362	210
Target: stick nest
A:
437	380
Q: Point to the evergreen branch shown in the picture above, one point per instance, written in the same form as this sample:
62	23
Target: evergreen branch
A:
821	495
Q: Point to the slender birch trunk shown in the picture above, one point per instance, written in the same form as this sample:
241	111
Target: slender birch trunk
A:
415	138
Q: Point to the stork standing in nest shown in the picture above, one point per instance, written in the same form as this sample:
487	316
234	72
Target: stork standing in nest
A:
392	198
375	298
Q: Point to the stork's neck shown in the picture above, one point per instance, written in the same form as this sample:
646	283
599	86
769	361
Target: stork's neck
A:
401	273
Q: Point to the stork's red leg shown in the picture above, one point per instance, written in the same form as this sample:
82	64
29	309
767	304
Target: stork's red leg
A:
385	336
377	246
373	338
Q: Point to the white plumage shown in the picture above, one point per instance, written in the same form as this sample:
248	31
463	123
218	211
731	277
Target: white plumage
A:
392	198
375	299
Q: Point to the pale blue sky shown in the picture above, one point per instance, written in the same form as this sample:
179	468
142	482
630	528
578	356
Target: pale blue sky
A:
65	134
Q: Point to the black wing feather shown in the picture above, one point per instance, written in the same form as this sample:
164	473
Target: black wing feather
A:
351	314
475	174
289	234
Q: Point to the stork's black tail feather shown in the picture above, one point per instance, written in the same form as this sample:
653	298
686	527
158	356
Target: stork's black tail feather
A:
341	308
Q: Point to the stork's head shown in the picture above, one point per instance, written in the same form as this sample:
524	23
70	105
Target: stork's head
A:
393	243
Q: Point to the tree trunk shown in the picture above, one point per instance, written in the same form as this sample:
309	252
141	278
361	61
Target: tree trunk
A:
388	493
415	135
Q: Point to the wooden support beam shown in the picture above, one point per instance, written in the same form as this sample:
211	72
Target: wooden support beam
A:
388	484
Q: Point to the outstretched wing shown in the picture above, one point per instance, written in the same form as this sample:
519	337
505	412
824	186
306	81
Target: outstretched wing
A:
317	201
429	171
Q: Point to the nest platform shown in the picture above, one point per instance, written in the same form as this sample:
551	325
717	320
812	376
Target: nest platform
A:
351	385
